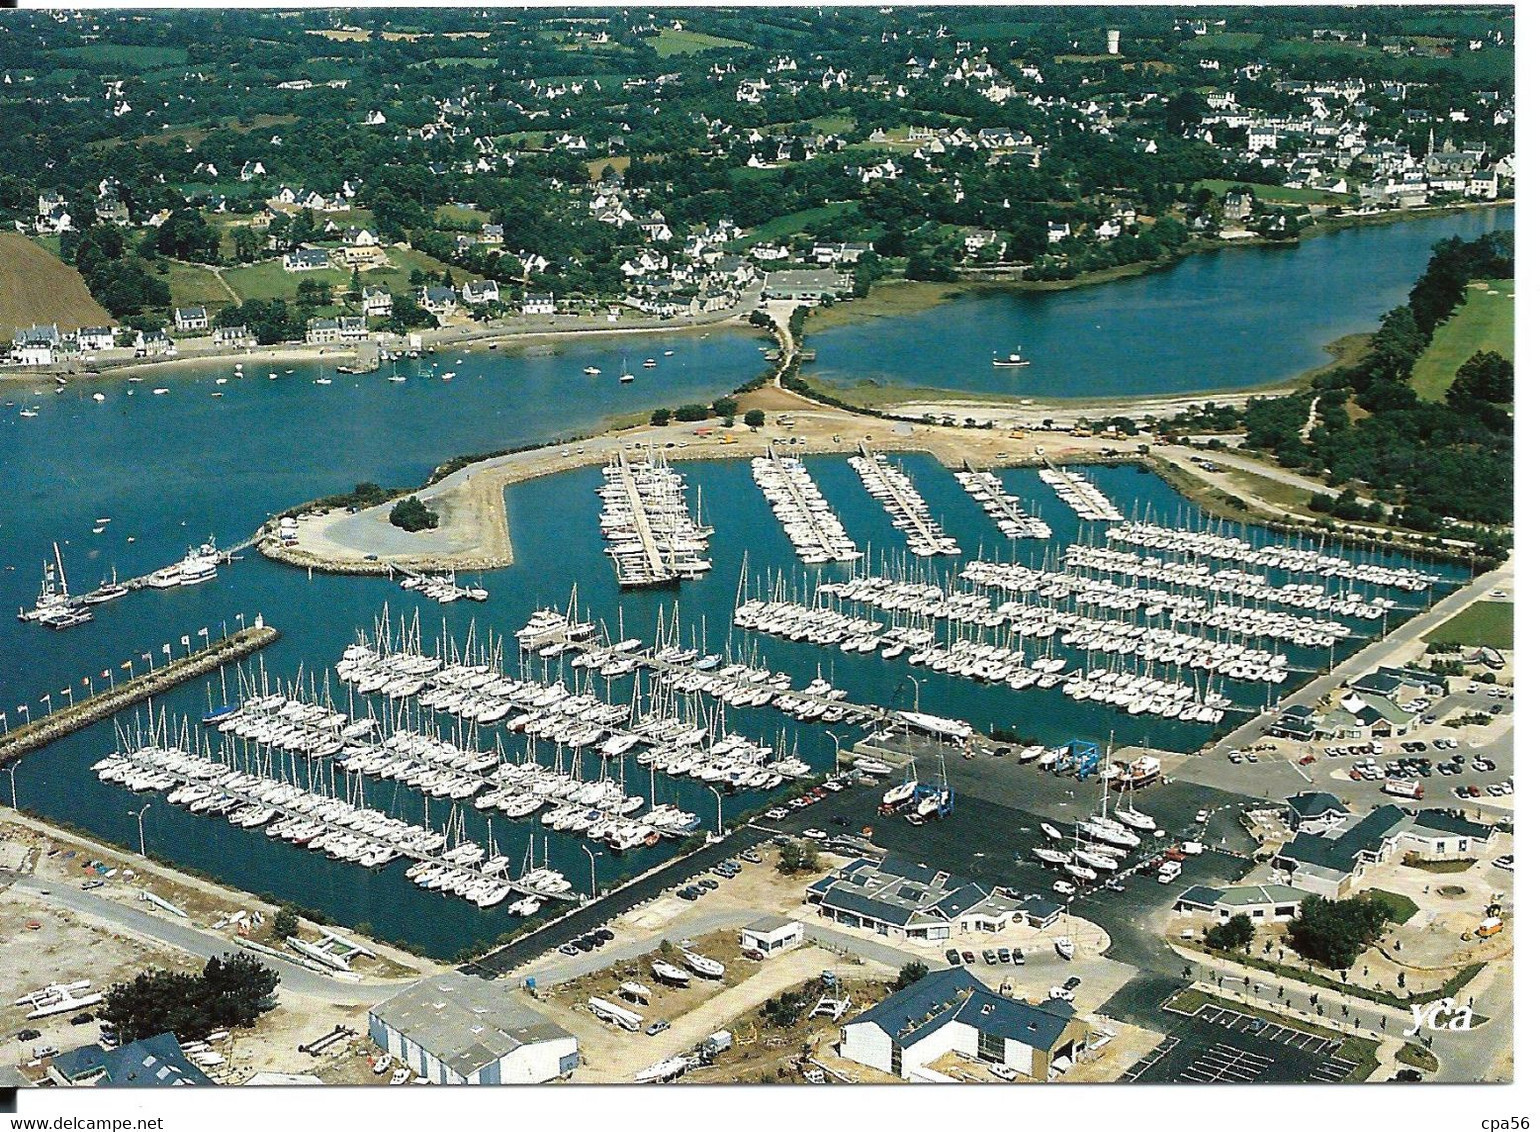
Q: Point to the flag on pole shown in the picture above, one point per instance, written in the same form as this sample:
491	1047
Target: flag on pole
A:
166	648
105	673
128	664
185	640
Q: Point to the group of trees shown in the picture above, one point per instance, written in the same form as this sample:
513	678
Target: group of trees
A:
1334	932
412	514
118	279
232	991
798	857
1422	459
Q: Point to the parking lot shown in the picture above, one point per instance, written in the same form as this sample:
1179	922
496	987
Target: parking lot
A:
1232	1046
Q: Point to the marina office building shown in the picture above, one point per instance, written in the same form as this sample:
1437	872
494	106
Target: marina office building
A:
951	1011
900	898
457	1030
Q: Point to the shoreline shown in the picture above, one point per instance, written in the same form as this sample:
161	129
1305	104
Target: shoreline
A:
441	339
860	310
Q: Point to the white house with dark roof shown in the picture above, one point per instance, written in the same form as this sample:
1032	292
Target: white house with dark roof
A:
479	291
952	1011
378	302
191	318
897	897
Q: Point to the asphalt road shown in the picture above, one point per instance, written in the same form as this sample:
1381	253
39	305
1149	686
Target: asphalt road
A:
205	945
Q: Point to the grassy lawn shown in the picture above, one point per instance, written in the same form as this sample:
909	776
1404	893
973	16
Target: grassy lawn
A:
270	281
1403	908
1417	1058
793	222
1296	499
453	214
1280	194
670	42
1483	322
192	286
1441	866
1487	623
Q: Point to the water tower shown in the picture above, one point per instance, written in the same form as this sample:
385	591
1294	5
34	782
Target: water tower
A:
1112	41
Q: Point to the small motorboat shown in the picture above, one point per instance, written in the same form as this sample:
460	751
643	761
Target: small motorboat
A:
591	371
668	973
1010	361
1050	832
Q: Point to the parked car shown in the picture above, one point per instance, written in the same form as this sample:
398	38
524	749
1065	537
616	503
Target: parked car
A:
953	957
1018	956
989	956
707	883
657	1027
968	957
751	857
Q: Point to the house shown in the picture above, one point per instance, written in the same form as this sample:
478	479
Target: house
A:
191	318
1315	811
1295	722
1260	903
156	1062
36	346
492	234
1331	863
770	934
378	302
952	1011
480	291
1237	204
807	286
1441	835
1057	231
347	328
234	337
898	897
306	259
454	1029
94	338
360	238
155	344
543	303
438	300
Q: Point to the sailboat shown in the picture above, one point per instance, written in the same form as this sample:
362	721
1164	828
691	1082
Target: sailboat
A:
668	973
903	792
1065	947
1050	832
702	964
626	376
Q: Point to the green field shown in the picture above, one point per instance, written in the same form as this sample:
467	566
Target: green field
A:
793	222
478	61
451	214
1279	194
1483	322
1487	624
670	42
1402	908
124	55
270	281
193	286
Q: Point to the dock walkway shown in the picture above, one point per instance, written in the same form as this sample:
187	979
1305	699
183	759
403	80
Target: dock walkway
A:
921	527
83	713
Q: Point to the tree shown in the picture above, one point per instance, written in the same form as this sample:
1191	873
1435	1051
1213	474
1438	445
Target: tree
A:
661	417
1485	377
412	514
798	857
1232	935
1333	932
910	973
754	418
285	923
233	990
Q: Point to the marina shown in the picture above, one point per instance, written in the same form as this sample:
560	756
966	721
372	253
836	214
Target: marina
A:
895	491
1004	509
646	519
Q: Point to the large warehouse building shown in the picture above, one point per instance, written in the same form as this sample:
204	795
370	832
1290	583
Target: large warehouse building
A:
457	1030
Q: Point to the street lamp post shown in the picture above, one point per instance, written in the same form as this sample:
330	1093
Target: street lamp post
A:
593	871
718	793
836	739
140	816
916	684
11	770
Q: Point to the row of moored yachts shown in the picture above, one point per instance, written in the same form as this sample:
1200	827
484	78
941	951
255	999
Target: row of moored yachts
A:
814	529
1004	509
904	504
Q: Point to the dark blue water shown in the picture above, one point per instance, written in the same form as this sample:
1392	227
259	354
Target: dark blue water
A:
1230	319
556	544
172	469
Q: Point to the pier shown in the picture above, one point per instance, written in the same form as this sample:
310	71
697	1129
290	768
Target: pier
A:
655	572
82	713
898	497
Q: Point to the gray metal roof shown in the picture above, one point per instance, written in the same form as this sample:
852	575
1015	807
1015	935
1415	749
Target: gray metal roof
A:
908	1015
465	1022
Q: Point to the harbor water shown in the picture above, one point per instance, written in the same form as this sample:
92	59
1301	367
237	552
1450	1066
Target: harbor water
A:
1236	318
171	469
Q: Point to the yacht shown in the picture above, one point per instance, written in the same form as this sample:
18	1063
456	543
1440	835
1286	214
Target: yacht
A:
1010	361
107	591
1065	947
591	371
